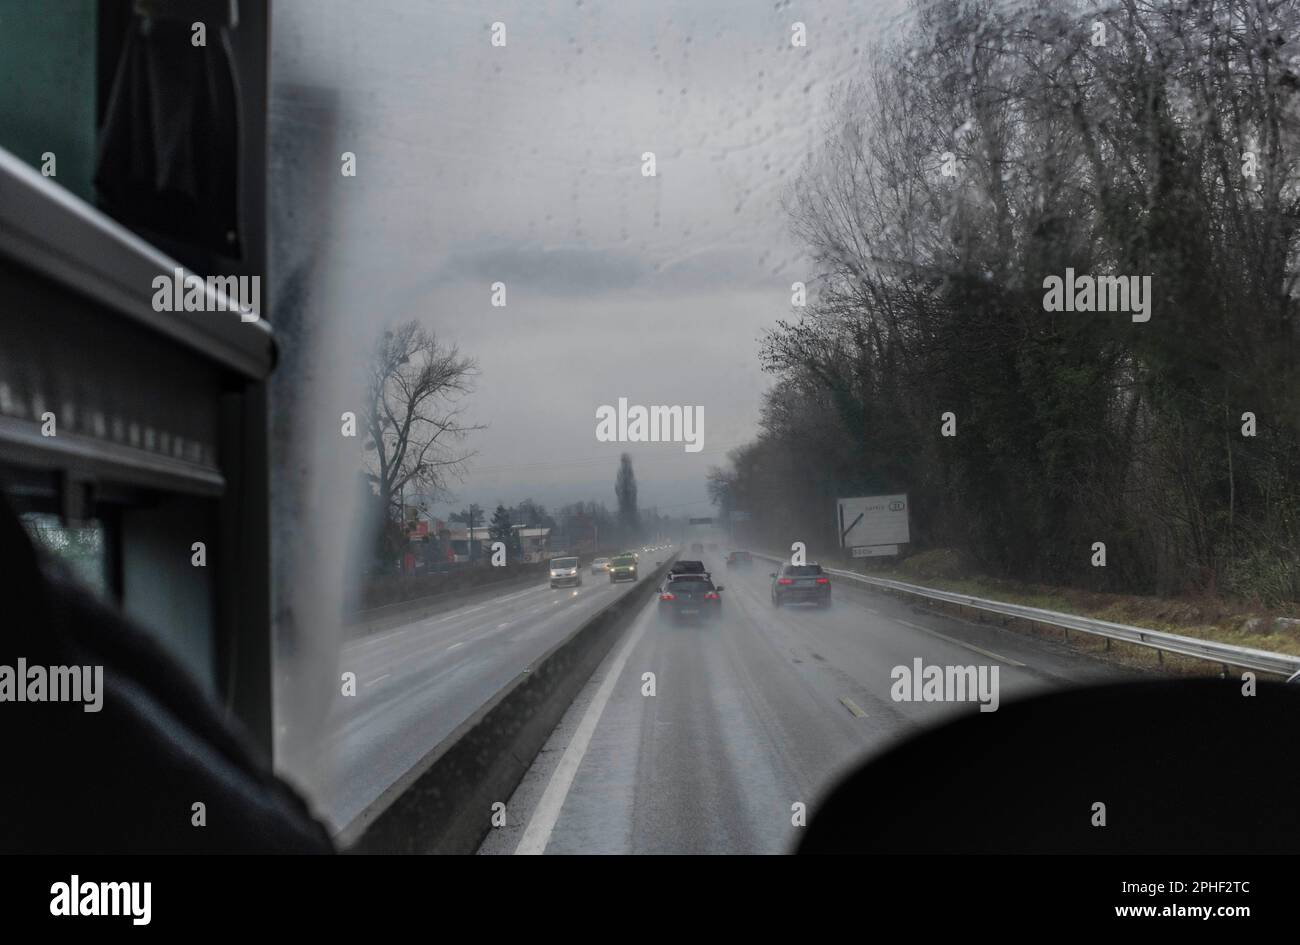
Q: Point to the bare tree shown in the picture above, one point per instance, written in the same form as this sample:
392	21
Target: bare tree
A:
414	401
988	148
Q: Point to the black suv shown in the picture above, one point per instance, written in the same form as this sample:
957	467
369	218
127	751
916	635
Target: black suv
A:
686	567
689	595
801	583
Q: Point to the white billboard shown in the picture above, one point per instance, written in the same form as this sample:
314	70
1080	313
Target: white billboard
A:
873	521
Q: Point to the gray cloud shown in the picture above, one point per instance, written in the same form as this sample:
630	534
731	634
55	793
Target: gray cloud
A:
561	271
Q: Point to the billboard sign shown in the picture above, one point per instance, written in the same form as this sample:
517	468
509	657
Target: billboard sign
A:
874	521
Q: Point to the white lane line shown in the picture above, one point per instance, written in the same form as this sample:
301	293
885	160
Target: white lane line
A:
461	613
380	678
970	646
547	813
393	637
853	707
454	645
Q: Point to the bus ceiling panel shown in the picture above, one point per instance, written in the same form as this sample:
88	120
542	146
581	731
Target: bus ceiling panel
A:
55	233
86	459
79	391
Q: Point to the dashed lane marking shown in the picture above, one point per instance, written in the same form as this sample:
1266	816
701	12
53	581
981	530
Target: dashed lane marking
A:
853	707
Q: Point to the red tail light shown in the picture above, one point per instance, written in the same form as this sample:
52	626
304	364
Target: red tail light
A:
784	580
712	596
666	597
823	580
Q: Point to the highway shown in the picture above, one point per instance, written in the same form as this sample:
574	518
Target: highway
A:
417	682
750	715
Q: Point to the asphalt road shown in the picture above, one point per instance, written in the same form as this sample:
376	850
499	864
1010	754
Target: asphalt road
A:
751	715
417	682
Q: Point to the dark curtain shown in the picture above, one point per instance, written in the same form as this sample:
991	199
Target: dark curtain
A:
169	145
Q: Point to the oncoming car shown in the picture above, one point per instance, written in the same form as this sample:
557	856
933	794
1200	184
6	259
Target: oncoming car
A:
565	571
599	565
623	568
689	595
801	583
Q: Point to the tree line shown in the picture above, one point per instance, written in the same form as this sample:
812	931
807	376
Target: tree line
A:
989	148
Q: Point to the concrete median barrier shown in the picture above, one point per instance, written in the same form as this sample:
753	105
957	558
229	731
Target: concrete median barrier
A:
444	804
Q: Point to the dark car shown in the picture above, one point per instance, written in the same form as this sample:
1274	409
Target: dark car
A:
739	558
686	567
623	567
687	596
801	583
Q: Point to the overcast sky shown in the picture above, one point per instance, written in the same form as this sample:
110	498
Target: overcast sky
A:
522	165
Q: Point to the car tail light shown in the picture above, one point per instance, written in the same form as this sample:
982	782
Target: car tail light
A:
666	597
712	595
823	580
784	581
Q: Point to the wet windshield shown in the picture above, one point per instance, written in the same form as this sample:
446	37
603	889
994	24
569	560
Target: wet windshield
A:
984	313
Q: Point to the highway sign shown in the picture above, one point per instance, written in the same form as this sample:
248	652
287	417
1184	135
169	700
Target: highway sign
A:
872	521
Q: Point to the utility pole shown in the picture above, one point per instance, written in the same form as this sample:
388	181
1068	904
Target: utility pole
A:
473	546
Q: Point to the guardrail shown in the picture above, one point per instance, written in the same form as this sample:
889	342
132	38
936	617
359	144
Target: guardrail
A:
1225	654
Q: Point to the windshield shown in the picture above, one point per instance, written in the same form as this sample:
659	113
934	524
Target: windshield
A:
691	579
958	340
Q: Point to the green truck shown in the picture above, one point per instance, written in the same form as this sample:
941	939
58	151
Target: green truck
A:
623	567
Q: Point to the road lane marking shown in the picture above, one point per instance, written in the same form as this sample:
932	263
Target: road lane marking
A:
547	813
962	643
380	678
454	645
388	639
852	707
461	613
